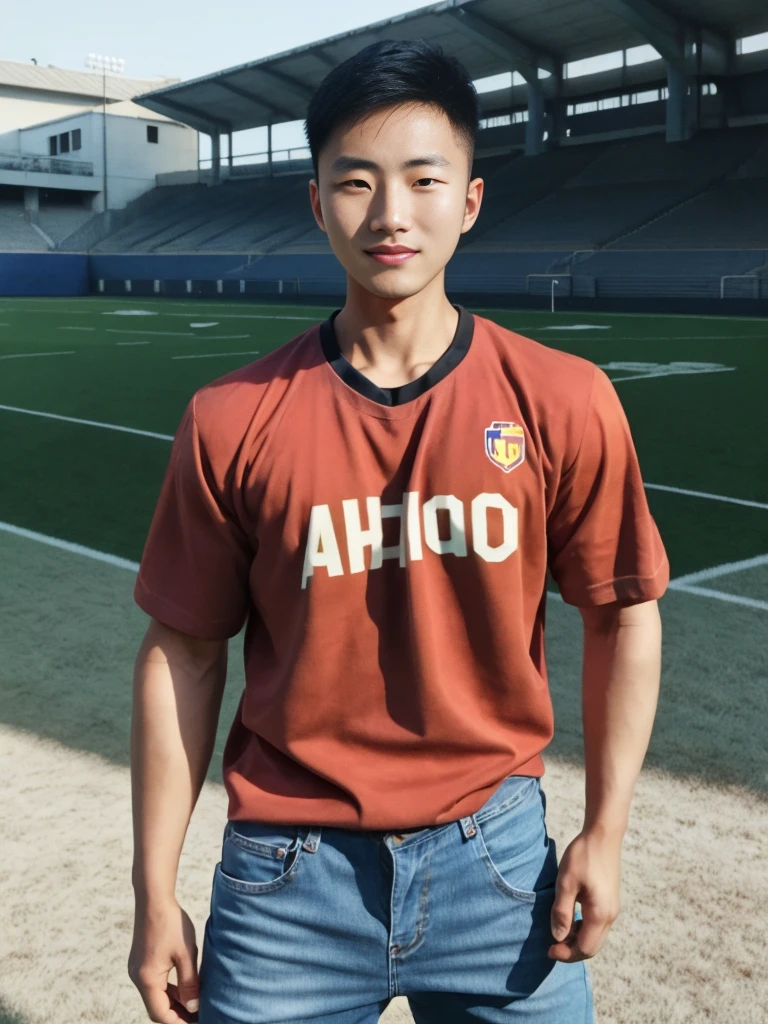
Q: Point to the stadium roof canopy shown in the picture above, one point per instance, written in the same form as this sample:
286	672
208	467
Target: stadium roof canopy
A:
489	37
74	83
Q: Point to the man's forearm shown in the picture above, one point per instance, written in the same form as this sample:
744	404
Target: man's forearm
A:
620	688
176	705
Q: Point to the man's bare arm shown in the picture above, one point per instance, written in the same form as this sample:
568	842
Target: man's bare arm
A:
178	687
620	688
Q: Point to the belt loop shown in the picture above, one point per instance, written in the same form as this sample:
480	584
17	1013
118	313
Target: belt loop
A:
312	839
468	826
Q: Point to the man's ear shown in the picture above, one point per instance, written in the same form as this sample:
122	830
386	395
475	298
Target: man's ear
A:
474	201
314	201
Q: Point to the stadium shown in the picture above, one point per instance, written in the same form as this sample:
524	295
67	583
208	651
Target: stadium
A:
624	150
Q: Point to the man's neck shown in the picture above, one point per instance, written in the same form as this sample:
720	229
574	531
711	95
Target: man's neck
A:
391	341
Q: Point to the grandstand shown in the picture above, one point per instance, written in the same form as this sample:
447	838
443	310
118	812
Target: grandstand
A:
625	155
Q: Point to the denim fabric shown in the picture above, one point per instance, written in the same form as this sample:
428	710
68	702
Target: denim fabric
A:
322	924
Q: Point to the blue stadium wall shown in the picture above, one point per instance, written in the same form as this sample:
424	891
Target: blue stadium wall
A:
33	273
668	281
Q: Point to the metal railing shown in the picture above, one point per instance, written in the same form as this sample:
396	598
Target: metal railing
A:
577	287
44	164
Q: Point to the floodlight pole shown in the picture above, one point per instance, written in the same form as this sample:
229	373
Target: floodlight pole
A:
96	62
553	294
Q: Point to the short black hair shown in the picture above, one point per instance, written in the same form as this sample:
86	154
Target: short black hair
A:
391	72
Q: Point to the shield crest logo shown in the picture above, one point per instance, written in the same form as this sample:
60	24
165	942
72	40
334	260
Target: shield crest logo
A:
505	444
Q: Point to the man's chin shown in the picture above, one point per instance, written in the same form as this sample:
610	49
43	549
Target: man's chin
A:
391	286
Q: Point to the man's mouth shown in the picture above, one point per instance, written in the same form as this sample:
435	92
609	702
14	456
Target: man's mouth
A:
391	255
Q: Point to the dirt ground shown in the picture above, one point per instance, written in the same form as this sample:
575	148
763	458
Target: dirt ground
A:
689	944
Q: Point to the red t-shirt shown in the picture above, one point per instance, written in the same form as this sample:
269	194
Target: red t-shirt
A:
389	550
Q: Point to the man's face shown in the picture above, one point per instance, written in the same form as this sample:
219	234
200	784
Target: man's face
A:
397	179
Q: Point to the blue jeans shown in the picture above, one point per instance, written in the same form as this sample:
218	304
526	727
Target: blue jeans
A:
314	924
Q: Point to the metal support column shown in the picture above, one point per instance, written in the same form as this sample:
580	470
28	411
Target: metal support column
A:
216	157
534	129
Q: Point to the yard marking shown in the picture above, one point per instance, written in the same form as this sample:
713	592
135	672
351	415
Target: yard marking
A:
32	355
87	423
643	370
75	328
65	545
172	334
169	437
131	312
681	585
254	316
688	584
212	355
726	569
711	497
721	595
133	343
669	373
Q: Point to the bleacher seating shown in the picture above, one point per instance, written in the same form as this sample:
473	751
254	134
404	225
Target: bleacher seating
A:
624	185
16	234
60	219
614	215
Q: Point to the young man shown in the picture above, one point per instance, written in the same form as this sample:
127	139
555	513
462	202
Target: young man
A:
381	499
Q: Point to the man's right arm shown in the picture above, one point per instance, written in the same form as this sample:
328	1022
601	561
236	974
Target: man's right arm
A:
178	688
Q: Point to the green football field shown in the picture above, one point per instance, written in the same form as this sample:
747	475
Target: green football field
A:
91	392
693	389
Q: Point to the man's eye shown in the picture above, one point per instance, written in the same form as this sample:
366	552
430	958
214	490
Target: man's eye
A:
356	182
428	181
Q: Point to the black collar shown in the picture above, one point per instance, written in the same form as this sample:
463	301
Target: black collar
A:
451	358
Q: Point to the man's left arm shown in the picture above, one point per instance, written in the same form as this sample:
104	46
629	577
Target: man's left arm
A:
620	686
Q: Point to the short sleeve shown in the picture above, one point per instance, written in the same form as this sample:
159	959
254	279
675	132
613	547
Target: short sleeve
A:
603	543
194	571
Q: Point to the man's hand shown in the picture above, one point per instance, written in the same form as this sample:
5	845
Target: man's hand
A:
589	873
164	938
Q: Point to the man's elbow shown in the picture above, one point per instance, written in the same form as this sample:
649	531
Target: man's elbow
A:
606	618
163	642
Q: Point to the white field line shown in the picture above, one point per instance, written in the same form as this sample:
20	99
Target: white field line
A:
33	355
199	305
169	437
721	595
688	584
88	423
75	328
169	334
726	569
65	545
212	355
255	316
678	585
178	334
211	337
194	309
705	494
671	373
653	316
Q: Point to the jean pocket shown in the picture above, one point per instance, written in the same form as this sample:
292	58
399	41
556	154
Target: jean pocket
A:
258	857
519	855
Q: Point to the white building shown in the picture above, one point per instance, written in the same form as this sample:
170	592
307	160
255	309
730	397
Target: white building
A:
63	159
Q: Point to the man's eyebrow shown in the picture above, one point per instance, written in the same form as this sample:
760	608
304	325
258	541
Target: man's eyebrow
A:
352	163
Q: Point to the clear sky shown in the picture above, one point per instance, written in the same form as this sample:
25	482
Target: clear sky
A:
183	38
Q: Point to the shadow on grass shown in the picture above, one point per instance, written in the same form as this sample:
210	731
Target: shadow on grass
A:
69	633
